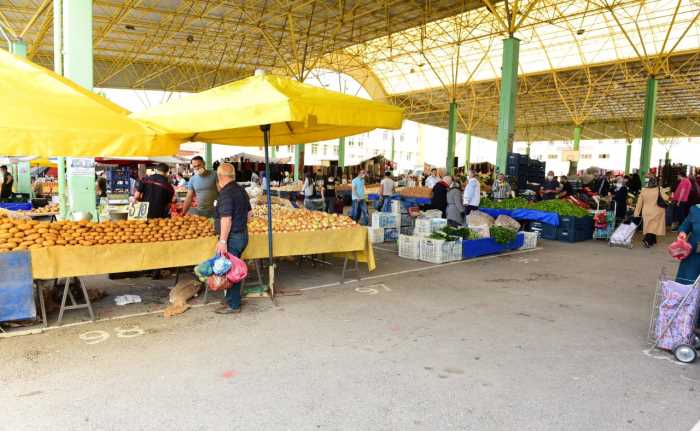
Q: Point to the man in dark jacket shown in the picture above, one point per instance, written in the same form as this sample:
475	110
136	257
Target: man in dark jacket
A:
157	191
439	200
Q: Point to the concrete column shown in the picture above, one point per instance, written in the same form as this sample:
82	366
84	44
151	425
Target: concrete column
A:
451	138
648	126
506	106
341	153
573	166
19	48
298	162
77	66
208	156
628	157
468	152
58	68
393	148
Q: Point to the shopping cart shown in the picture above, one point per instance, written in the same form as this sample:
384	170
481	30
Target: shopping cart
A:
604	221
674	313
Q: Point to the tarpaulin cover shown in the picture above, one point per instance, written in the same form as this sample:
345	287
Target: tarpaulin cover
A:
58	262
525	214
16	288
298	113
43	114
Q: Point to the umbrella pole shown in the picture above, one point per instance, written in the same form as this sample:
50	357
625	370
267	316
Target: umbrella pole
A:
271	266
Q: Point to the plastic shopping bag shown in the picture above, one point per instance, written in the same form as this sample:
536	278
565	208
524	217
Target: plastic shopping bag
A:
221	265
205	269
680	249
217	282
238	271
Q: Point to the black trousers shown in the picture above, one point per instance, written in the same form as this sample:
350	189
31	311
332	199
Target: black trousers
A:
470	208
650	238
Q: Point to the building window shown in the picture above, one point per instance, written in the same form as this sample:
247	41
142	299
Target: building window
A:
290	149
386	135
586	156
603	156
401	137
314	149
552	156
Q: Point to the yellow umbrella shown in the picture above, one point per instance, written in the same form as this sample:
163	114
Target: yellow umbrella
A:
43	114
266	108
297	113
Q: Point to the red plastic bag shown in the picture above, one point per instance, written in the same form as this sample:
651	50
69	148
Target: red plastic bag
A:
216	282
680	249
238	271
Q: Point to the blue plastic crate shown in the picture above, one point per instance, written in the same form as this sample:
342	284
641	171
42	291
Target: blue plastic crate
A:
486	246
16	206
546	231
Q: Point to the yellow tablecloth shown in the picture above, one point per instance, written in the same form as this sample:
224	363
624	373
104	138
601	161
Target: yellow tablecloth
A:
59	262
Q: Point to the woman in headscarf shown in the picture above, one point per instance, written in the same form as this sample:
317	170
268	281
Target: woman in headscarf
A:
620	198
653	215
455	207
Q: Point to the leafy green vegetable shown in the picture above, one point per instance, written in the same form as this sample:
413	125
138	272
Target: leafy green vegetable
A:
563	208
505	204
502	235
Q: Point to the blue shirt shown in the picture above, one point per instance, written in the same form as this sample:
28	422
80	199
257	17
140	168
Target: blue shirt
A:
358	188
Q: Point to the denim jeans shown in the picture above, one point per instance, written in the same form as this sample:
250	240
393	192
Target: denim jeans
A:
330	204
237	242
359	211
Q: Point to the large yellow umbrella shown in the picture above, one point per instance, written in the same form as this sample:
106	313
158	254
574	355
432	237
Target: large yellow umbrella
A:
273	110
43	114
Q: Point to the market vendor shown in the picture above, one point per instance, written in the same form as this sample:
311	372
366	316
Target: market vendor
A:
550	188
387	187
202	185
359	204
157	191
501	189
565	189
6	182
231	225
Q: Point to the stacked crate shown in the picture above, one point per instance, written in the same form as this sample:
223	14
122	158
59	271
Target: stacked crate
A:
517	167
389	223
405	222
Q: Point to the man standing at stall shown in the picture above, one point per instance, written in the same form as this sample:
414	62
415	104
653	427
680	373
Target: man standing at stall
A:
432	179
157	191
231	226
359	204
202	185
6	182
472	193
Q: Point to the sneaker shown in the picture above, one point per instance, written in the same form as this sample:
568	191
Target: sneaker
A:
225	309
645	244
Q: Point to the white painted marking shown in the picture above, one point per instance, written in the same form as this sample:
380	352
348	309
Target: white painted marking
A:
373	289
94	337
130	332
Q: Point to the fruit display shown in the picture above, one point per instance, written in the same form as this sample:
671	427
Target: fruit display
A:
18	234
286	219
293	187
416	192
48	209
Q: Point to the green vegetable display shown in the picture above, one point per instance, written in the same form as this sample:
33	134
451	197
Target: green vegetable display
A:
561	207
505	204
456	233
502	235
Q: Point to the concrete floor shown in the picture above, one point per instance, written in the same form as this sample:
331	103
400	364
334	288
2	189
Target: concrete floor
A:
551	339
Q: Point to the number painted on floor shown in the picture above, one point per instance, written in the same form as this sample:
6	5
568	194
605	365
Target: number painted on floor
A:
373	289
131	332
98	336
94	337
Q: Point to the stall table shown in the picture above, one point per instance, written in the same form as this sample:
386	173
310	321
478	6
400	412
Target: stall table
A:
58	262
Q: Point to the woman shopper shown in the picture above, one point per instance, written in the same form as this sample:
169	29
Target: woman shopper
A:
620	198
689	269
653	215
309	191
455	207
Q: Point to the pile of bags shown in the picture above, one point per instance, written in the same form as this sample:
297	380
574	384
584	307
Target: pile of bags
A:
221	272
